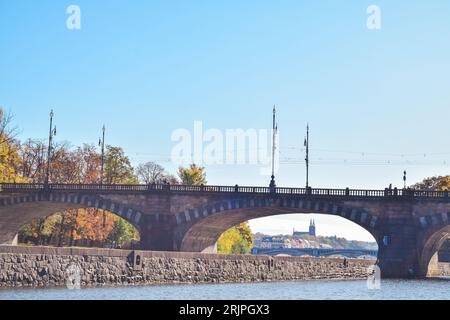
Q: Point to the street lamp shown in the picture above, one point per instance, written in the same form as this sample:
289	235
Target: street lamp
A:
272	184
404	179
101	143
52	133
306	144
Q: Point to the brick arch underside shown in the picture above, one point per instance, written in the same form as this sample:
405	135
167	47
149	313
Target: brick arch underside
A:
16	212
431	245
203	226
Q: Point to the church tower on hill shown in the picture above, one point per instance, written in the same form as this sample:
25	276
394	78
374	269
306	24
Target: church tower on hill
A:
312	228
311	232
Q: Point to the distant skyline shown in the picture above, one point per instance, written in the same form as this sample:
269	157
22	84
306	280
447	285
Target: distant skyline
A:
377	101
326	225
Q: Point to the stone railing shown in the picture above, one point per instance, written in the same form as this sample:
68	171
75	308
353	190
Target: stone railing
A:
316	192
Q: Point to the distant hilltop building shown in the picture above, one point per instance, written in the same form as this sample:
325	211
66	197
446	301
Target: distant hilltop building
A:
311	232
270	242
281	241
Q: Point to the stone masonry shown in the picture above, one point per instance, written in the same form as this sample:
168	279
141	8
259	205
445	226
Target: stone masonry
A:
47	267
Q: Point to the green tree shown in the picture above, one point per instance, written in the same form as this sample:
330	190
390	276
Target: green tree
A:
236	240
41	229
31	231
118	169
123	233
193	175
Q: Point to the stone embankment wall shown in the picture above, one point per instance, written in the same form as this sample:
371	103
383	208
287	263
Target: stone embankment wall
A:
47	267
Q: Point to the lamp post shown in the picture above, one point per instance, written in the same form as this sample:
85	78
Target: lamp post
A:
52	133
404	179
307	155
101	143
272	184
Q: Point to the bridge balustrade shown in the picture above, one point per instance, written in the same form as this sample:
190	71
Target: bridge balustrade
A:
319	192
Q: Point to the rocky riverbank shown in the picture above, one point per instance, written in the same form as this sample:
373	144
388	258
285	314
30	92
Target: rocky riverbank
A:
50	267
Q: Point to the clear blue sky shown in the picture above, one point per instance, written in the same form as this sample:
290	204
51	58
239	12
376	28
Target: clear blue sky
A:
378	102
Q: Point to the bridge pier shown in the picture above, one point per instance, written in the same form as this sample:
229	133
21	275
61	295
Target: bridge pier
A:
397	253
158	236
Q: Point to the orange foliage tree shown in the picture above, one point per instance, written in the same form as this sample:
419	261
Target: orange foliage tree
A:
92	224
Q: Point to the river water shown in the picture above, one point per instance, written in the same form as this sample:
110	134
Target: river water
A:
428	289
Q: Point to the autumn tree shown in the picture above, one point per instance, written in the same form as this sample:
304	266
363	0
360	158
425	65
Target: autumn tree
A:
88	161
9	155
433	183
193	175
92	224
236	240
80	165
33	160
9	163
79	226
27	162
63	164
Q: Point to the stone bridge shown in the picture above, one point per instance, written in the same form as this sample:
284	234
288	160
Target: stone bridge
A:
315	252
408	225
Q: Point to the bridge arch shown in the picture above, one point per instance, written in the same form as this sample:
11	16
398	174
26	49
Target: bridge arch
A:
201	227
17	211
433	241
